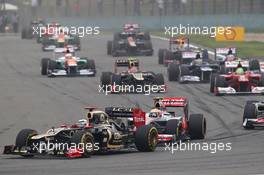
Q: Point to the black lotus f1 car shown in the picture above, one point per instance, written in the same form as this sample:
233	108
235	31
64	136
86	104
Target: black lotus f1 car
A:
97	133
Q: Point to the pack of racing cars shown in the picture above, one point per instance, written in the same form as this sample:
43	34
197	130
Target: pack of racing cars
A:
102	132
118	128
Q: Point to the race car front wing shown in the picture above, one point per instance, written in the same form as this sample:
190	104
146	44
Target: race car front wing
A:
83	72
232	91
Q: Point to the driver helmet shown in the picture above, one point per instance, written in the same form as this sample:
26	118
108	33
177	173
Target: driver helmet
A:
102	118
230	52
68	56
155	112
82	123
239	71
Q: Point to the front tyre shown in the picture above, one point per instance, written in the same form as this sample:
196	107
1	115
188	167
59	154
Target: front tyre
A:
44	66
197	126
85	139
146	138
23	139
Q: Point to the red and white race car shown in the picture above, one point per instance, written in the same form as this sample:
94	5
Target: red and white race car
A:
171	118
240	77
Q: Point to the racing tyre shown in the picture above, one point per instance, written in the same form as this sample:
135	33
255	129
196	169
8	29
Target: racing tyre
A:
249	113
205	55
22	139
261	80
197	126
159	79
173	72
172	127
116	79
147	36
254	65
212	82
91	65
116	37
183	71
148	46
146	138
168	55
109	47
106	79
223	69
115	48
161	55
44	66
220	82
85	138
24	34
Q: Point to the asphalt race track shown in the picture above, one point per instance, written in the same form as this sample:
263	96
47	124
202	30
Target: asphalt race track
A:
29	100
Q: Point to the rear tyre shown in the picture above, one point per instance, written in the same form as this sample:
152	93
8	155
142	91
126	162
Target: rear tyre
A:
159	79
91	65
249	113
173	72
183	71
44	66
116	81
223	69
147	36
24	34
109	47
172	127
212	82
146	138
22	139
254	65
197	126
205	55
106	79
161	55
86	139
261	80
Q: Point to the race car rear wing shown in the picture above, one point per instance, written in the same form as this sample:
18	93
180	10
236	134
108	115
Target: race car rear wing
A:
126	62
139	117
234	64
261	64
178	41
119	112
220	53
64	50
171	101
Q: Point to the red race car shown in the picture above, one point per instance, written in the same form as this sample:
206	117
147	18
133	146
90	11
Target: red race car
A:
238	79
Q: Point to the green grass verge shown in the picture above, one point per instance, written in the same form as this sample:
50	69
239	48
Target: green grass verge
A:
244	48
